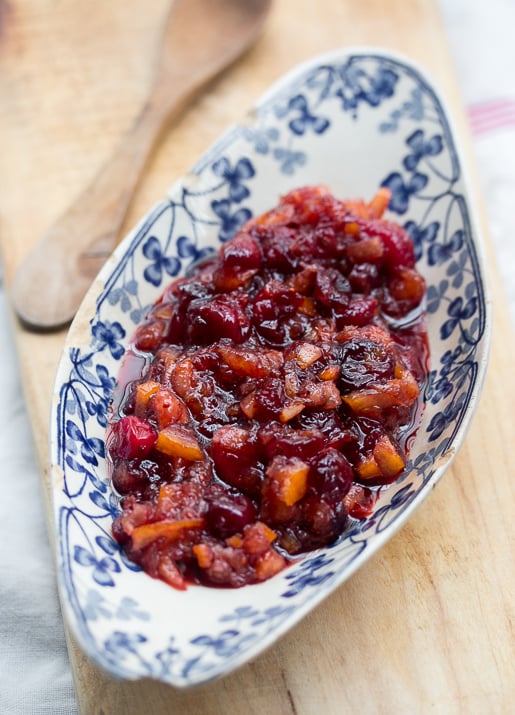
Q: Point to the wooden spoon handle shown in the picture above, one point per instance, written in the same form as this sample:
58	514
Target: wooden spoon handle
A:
56	274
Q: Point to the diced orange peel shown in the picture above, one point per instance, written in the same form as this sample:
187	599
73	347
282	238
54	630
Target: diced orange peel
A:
379	203
270	563
323	394
408	284
204	555
291	410
351	228
179	441
367	249
143	535
248	405
250	362
378	396
305	354
308	307
290	477
235	541
168	408
385	461
144	392
331	372
257	538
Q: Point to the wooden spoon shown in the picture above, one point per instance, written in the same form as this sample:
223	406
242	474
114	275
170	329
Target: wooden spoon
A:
201	38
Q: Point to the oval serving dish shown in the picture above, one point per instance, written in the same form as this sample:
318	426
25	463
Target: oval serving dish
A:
353	120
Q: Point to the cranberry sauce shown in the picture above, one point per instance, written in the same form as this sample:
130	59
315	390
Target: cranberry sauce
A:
279	387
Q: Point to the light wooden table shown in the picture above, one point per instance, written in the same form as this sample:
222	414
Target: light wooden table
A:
427	624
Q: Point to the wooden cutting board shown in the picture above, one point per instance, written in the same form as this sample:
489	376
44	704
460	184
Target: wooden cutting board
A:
428	624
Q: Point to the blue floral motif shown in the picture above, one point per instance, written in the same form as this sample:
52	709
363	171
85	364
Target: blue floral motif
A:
90	448
187	248
434	295
459	311
102	568
403	189
421	148
412	109
305	119
108	335
307	575
439	253
124	295
230	222
438	387
261	138
457	268
358	86
421	235
242	171
441	420
289	159
120	645
99	409
159	262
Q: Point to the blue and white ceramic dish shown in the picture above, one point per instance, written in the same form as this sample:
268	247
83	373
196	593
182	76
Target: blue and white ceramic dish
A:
353	120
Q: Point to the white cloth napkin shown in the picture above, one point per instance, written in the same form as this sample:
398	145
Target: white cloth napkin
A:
35	676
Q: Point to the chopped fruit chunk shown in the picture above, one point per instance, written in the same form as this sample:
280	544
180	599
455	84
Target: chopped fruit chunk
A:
305	354
379	203
143	535
251	363
168	408
143	394
269	564
131	437
179	441
290	477
375	398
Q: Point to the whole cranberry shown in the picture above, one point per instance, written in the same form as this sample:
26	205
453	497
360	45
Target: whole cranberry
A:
131	437
229	514
331	476
209	320
364	361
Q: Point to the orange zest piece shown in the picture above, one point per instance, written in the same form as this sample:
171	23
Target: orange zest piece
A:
144	392
204	555
179	441
385	461
270	563
170	530
375	398
379	203
290	411
290	477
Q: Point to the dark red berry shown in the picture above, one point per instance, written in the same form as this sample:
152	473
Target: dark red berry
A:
230	514
131	437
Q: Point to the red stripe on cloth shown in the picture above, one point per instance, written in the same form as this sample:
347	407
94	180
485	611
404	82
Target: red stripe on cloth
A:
480	109
492	115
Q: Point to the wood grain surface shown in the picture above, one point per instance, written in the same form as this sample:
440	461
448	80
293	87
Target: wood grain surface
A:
427	625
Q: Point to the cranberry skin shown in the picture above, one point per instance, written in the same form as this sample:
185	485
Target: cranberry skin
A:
332	289
230	514
362	362
279	439
242	252
360	312
209	320
131	437
331	477
397	243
